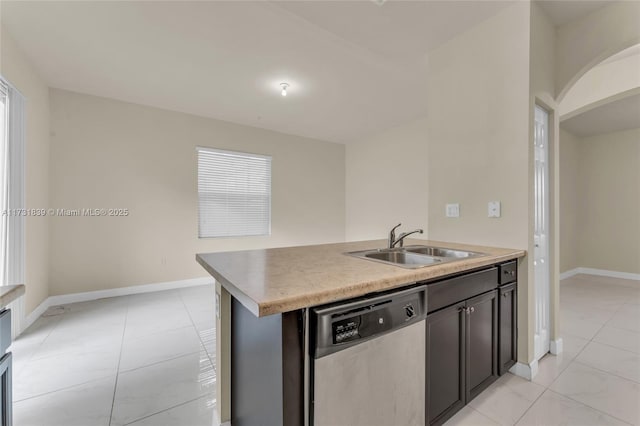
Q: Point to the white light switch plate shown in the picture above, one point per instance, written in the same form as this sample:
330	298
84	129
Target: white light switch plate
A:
494	208
453	210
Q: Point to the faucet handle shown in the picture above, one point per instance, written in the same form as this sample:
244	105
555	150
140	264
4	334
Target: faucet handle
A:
395	227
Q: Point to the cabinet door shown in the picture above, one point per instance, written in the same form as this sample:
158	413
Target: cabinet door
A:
482	343
445	363
508	337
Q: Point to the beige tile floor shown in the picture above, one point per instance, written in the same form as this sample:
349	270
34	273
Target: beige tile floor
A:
137	360
149	360
595	381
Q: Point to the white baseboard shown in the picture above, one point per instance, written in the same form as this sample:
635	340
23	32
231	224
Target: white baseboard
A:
36	313
526	371
568	274
64	299
555	346
600	272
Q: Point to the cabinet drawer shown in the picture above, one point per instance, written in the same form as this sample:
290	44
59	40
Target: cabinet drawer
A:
453	290
508	272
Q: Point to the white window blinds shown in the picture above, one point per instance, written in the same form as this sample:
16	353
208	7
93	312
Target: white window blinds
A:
234	194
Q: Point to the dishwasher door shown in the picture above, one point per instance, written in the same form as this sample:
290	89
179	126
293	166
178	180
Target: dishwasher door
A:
369	362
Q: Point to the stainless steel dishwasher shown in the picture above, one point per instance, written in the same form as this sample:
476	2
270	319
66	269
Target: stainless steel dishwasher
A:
368	361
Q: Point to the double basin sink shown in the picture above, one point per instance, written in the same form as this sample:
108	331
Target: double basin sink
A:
415	256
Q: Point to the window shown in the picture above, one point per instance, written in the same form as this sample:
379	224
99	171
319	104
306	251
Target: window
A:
234	194
12	205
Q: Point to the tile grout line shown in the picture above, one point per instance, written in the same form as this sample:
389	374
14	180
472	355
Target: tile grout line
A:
198	333
575	360
607	372
181	356
587	405
115	385
609	345
532	404
32	352
166	409
480	413
61	389
159	362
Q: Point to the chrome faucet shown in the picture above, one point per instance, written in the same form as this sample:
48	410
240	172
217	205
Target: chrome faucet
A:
392	236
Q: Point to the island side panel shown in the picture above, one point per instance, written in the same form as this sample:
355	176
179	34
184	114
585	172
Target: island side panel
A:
266	368
293	368
223	354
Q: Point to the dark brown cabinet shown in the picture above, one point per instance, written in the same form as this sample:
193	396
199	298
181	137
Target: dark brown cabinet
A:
471	336
508	330
462	354
482	343
446	359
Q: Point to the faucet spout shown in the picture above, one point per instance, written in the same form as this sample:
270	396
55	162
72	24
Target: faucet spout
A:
400	240
392	236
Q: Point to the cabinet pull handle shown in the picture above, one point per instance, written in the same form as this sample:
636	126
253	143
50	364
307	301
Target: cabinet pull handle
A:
504	295
471	309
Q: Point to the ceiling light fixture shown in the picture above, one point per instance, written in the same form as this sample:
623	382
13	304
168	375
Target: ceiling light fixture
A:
284	86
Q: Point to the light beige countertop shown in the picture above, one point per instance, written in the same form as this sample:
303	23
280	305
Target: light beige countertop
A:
278	280
9	293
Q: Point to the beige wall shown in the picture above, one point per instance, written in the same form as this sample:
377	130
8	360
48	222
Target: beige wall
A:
479	106
16	68
106	154
478	131
606	171
569	201
386	182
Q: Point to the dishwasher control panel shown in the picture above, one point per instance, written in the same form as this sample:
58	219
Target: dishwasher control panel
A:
346	330
345	324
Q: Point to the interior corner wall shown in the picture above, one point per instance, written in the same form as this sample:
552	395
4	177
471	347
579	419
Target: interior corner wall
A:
17	69
387	182
570	207
112	154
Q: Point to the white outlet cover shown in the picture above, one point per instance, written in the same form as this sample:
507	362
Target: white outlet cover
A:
453	210
494	208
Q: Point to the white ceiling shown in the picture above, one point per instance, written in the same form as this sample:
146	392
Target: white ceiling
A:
618	115
562	11
355	68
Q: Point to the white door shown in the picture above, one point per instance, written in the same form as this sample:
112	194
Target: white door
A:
541	232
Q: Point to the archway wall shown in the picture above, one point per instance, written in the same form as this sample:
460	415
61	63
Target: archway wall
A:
601	82
583	43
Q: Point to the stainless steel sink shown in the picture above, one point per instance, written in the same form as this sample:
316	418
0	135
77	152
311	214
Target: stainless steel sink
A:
442	252
403	258
415	256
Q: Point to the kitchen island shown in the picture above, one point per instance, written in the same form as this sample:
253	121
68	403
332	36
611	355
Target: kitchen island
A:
262	306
